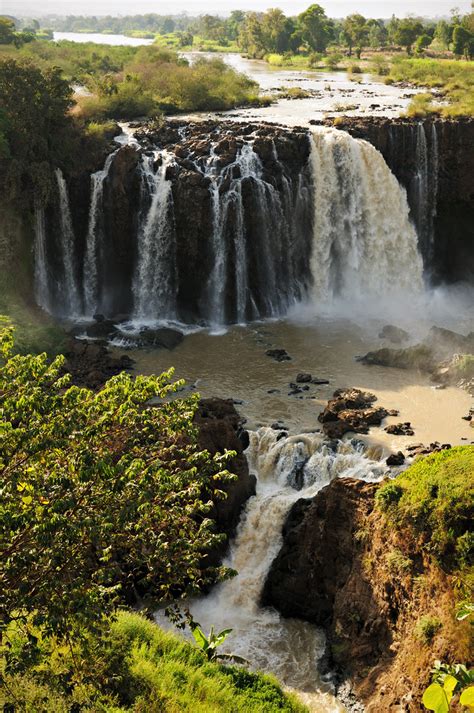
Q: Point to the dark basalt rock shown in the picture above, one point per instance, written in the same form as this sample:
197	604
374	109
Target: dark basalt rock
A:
396	335
278	354
417	357
400	429
350	410
396	459
164	338
220	429
91	364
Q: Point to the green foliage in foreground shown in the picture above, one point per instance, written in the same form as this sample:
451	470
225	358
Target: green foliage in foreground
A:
454	79
135	667
103	496
448	681
435	499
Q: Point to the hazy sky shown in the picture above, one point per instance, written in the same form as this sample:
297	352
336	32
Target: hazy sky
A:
334	8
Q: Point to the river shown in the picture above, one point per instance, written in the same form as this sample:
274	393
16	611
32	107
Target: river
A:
101	39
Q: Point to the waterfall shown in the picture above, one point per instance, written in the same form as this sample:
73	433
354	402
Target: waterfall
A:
286	647
94	234
68	286
364	246
255	228
156	280
42	286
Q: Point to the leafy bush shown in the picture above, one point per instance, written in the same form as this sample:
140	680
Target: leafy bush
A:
397	562
103	496
434	498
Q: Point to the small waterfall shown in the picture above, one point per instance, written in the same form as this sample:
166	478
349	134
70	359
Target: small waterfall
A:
286	647
156	279
68	286
94	234
42	279
364	245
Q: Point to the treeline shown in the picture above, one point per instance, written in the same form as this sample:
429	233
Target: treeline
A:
259	34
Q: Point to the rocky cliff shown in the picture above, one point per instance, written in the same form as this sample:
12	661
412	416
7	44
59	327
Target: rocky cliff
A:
342	567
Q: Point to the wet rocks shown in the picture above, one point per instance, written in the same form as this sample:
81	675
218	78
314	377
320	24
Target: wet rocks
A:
305	378
418	357
164	338
350	410
90	364
393	334
396	459
400	429
418	449
278	354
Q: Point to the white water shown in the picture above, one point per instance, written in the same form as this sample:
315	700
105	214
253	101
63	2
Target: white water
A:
288	648
42	291
364	245
155	282
69	291
90	279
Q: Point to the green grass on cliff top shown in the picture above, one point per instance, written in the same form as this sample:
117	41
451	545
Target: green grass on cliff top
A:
139	668
435	498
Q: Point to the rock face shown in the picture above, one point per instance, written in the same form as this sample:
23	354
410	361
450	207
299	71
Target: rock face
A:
444	149
342	568
221	429
90	364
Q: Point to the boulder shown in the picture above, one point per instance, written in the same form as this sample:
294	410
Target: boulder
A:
396	335
419	357
400	429
396	459
278	354
164	338
350	410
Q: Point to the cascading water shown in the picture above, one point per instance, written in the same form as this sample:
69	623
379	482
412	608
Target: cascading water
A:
272	230
426	187
364	244
94	233
155	283
68	284
288	648
42	280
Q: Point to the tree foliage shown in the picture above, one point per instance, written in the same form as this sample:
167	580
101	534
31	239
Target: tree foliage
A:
103	496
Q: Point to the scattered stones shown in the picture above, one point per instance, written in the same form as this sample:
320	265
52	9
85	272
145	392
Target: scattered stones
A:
418	449
400	429
396	459
396	335
278	354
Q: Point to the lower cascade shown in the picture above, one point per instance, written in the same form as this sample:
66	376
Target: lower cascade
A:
230	229
287	469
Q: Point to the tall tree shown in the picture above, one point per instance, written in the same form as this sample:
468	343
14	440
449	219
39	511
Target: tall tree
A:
315	28
355	32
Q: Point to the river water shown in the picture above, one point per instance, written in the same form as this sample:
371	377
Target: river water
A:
101	39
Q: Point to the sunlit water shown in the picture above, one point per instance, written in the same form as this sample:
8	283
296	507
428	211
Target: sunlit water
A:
101	39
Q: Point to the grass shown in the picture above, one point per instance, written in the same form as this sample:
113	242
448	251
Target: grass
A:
140	668
434	499
454	80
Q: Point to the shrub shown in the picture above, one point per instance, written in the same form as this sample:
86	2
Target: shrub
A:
434	498
397	562
426	628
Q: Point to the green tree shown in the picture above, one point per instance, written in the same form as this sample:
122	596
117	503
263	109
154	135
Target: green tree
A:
38	128
422	42
378	34
315	28
7	31
276	31
461	41
103	496
407	31
355	33
444	33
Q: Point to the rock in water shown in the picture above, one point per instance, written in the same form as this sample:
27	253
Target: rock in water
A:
396	335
